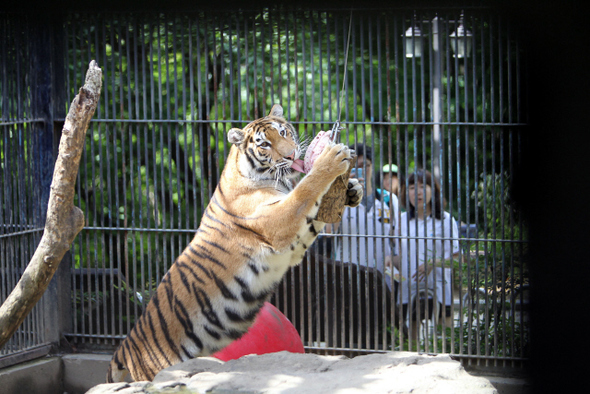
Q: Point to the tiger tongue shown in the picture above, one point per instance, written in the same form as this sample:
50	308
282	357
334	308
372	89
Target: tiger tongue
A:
298	165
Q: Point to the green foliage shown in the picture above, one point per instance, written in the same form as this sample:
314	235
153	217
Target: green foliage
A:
498	263
495	277
499	334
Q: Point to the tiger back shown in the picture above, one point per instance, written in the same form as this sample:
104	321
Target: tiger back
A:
255	227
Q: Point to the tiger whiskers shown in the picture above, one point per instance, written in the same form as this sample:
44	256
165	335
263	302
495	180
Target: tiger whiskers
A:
281	171
304	145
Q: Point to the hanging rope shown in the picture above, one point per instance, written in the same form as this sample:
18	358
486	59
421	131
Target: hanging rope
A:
335	132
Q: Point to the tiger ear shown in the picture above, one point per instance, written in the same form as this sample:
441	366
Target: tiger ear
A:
276	110
235	136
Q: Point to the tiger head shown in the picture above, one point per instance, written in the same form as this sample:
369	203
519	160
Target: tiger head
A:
269	144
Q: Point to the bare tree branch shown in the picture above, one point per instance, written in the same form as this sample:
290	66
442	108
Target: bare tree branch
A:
64	221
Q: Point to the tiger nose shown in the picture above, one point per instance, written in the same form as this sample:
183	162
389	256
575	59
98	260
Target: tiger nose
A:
291	156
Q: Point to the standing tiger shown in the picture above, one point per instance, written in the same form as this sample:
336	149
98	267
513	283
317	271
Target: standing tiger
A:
255	227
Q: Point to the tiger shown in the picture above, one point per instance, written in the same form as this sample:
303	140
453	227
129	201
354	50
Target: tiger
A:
257	225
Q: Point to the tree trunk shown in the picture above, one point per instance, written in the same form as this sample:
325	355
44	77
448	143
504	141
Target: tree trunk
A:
64	221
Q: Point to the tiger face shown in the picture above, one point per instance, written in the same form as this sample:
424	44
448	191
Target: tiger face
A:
270	144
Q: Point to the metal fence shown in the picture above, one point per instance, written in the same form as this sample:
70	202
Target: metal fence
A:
26	155
175	83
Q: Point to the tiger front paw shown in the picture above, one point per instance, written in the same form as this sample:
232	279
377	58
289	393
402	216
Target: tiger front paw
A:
354	193
334	160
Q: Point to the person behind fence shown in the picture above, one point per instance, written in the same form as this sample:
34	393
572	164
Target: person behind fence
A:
428	238
372	217
390	182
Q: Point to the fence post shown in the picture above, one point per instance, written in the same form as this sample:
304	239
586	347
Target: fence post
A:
48	103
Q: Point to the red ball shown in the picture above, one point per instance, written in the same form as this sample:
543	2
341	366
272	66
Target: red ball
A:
271	332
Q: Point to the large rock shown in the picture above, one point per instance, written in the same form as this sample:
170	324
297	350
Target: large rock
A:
284	372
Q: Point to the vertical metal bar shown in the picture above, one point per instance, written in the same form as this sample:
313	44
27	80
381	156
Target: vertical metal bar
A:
491	304
403	285
85	281
5	129
194	126
175	137
271	59
304	62
129	207
206	162
161	130
397	308
167	172
339	287
218	81
449	171
447	178
514	284
417	129
314	294
370	114
386	296
504	286
237	68
38	106
323	48
201	115
185	141
230	38
78	294
247	74
115	240
521	229
151	25
324	64
177	239
143	212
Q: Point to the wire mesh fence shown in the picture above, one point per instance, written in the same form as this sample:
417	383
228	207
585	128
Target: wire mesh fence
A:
426	90
23	152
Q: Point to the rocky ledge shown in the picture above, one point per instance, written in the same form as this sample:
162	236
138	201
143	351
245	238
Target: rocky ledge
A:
284	372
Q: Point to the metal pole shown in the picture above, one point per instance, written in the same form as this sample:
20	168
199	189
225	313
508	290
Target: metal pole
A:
435	99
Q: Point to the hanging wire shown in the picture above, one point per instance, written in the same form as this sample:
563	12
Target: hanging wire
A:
335	132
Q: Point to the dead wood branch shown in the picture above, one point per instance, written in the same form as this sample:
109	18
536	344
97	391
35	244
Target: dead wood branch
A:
64	220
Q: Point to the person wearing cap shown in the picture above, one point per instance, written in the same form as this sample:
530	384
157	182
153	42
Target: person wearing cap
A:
390	182
390	178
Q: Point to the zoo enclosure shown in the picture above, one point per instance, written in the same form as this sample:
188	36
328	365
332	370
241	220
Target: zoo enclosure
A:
174	83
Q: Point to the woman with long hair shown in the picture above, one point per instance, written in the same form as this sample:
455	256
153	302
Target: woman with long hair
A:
428	238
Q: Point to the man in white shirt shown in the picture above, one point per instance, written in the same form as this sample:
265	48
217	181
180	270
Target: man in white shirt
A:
365	227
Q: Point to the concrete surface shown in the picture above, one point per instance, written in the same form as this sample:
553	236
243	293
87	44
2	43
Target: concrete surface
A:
83	371
42	376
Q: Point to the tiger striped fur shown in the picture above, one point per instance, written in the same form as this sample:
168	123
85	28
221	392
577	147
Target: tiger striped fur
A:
255	227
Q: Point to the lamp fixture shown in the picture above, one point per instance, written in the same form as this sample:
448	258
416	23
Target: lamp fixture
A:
461	41
413	42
